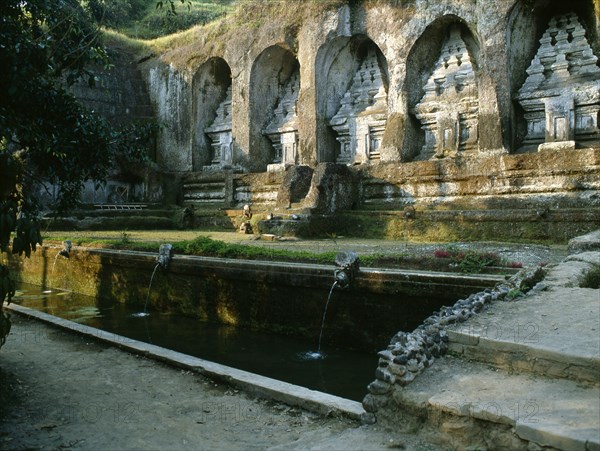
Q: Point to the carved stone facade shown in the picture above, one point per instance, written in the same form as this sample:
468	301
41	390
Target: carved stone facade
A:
449	109
561	95
360	121
452	84
220	136
282	130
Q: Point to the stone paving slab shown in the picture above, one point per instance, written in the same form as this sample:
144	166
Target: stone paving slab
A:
558	413
554	333
541	347
588	242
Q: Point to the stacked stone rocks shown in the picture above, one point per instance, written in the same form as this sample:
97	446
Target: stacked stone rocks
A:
410	353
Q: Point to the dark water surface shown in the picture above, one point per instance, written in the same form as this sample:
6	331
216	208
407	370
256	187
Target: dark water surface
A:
342	372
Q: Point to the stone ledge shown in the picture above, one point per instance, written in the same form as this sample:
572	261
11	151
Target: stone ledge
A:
543	333
557	413
521	358
559	145
554	435
588	242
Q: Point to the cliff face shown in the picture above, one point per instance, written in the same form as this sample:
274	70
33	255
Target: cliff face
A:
327	48
420	99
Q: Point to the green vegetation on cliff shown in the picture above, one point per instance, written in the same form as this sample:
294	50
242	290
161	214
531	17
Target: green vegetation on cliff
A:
143	19
207	24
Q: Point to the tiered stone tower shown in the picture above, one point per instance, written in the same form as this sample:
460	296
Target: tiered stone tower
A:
282	130
220	136
360	121
449	109
561	95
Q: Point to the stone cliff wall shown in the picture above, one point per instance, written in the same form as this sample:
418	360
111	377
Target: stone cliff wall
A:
121	96
498	39
425	101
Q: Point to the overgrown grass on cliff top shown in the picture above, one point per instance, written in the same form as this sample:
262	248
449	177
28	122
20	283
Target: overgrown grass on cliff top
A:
141	19
136	47
221	23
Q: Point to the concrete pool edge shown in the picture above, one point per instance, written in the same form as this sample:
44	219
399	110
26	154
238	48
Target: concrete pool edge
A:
265	387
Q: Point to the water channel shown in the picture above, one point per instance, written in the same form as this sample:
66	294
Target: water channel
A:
342	372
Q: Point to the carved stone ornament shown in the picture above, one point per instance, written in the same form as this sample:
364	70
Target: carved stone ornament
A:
561	95
361	118
220	136
282	129
450	107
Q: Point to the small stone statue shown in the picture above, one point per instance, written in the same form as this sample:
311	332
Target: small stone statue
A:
247	213
246	228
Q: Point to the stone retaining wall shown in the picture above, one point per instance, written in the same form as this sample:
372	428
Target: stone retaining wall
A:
411	353
280	297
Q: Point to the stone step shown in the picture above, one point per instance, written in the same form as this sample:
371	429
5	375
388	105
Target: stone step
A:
288	224
114	219
474	406
538	334
299	208
112	210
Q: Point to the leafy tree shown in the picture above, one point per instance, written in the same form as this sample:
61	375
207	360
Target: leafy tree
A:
171	5
115	13
45	133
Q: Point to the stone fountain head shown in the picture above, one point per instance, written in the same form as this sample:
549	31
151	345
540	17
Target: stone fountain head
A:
165	252
348	265
66	250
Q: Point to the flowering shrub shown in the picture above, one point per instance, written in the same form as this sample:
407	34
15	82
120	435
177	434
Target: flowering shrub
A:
471	261
442	253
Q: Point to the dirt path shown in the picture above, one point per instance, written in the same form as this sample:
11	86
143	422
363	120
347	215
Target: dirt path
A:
59	390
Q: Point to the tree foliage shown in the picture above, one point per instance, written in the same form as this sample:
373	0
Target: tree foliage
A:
46	135
171	5
115	13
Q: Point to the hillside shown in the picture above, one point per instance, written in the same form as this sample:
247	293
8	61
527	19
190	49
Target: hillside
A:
144	19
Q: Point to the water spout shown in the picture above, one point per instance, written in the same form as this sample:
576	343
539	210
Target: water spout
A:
318	355
324	316
145	312
66	250
348	265
165	253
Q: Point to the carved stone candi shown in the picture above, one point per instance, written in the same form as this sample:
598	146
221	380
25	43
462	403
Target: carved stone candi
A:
561	95
282	130
220	136
449	108
361	118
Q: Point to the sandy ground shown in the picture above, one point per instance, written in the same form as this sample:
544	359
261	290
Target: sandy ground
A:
61	391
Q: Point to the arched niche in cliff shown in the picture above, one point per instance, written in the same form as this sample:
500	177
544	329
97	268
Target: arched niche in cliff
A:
351	75
211	85
530	25
274	82
442	92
